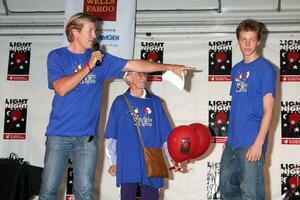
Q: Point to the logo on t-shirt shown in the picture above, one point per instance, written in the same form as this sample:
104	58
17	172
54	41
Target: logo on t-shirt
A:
290	181
290	60
290	122
153	51
143	116
15	118
220	61
19	61
241	81
89	79
218	120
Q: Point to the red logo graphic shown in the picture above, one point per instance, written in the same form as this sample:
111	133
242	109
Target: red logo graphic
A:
15	119
105	10
290	60
290	122
219	58
19	61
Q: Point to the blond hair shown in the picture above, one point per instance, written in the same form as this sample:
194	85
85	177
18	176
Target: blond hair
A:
77	21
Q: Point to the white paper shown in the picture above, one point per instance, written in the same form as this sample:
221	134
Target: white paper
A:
174	79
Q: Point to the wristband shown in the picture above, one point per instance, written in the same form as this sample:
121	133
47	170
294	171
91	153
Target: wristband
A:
88	66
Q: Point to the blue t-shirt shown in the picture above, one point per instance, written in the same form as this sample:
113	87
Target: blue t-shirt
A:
250	83
155	129
77	113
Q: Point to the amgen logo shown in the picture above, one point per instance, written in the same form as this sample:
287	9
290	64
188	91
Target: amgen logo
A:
109	37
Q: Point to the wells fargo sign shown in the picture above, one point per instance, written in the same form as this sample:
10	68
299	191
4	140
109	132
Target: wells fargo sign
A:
105	10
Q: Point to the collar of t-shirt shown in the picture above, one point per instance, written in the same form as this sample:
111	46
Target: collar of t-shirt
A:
143	95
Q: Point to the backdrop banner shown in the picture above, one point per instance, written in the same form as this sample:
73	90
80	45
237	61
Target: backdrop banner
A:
25	105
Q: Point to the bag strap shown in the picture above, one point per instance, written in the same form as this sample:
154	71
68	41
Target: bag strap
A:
135	120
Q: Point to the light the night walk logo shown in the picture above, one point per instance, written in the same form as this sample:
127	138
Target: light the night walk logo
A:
290	122
290	60
19	61
15	119
219	60
290	181
143	116
218	120
153	51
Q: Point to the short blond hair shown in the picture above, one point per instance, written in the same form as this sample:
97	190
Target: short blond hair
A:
76	22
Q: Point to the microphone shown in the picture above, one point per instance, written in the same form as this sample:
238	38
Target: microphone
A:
96	47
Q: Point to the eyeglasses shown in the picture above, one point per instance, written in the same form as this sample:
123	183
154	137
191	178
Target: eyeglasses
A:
138	74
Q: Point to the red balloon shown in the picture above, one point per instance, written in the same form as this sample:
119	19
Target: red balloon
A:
16	115
294	118
204	138
294	182
182	143
293	56
220	57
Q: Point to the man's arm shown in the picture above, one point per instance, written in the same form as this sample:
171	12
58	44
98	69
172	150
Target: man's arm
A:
67	83
255	151
147	66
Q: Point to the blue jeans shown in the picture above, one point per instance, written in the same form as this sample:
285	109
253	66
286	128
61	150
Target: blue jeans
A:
84	156
240	179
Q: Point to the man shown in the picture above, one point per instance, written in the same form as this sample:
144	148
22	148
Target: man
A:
124	148
73	124
253	98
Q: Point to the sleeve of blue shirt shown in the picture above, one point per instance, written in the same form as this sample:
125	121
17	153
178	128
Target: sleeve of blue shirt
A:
113	66
269	81
54	68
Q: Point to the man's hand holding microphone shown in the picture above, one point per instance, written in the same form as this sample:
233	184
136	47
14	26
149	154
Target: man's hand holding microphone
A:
96	57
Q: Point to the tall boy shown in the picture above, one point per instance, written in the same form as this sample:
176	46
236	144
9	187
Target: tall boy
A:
253	97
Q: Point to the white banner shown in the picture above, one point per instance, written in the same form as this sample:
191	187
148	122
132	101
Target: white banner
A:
116	23
26	56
